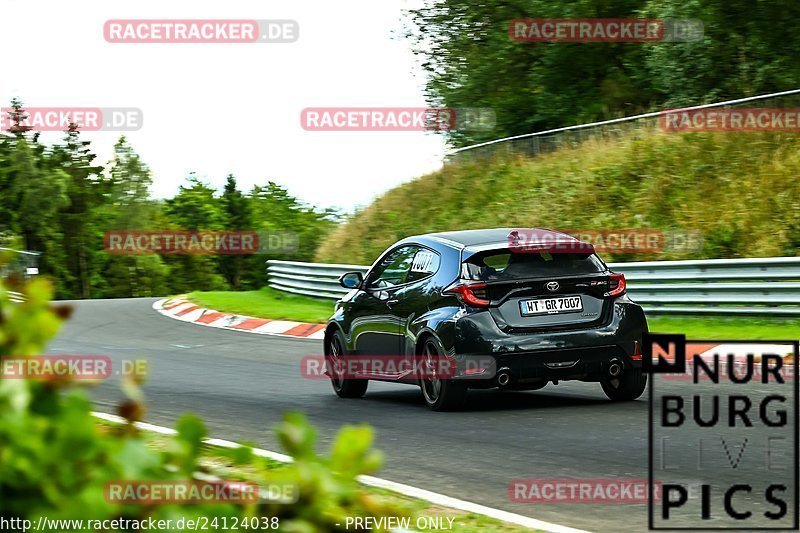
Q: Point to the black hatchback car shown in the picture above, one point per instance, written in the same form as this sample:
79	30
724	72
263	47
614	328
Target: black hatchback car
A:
541	305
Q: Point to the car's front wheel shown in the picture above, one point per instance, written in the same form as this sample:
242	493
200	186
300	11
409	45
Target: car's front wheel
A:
629	386
334	357
440	394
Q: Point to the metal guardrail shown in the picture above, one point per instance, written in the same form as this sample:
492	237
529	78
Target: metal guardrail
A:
761	286
310	279
16	297
20	262
23	263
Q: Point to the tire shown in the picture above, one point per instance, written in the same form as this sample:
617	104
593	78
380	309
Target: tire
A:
628	387
344	388
440	394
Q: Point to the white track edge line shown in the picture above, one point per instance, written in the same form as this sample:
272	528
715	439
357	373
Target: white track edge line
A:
400	488
462	505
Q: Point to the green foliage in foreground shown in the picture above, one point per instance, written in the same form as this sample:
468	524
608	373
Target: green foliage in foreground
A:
739	190
267	303
55	459
224	460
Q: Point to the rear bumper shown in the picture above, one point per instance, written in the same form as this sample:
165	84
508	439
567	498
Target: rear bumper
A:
587	364
572	354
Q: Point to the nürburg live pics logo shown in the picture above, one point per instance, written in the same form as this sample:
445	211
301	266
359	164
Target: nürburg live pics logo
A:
732	431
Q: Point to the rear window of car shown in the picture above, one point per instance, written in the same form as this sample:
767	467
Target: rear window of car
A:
504	265
426	262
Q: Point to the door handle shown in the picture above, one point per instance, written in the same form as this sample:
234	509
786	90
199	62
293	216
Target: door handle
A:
392	302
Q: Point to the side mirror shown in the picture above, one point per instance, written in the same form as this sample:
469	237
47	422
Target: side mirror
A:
351	280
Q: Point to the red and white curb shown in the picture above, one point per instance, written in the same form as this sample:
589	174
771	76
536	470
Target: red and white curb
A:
181	309
370	481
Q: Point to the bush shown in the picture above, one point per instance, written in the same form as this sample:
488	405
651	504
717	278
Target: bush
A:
56	459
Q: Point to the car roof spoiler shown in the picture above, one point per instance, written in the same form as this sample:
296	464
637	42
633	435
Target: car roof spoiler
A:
533	241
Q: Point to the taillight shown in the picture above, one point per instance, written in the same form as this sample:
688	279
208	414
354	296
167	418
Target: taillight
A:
616	285
473	294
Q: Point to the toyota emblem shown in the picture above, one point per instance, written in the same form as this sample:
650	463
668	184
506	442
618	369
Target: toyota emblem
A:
552	286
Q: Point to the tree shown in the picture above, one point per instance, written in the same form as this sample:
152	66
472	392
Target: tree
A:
85	191
748	48
194	208
471	62
129	188
57	201
32	193
8	145
276	210
128	206
238	217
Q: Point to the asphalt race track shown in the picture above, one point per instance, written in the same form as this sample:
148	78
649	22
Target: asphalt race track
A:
241	383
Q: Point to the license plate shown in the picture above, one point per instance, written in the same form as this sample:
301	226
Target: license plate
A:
551	306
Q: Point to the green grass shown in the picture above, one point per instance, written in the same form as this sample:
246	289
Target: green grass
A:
266	303
733	328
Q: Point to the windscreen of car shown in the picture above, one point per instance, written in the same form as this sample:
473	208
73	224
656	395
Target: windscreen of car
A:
503	265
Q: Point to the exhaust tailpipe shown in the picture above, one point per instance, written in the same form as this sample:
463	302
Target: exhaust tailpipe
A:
615	368
503	377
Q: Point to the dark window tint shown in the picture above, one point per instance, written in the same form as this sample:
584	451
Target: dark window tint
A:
393	269
502	265
425	263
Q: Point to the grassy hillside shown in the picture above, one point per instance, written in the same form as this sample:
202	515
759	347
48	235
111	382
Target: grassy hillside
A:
741	190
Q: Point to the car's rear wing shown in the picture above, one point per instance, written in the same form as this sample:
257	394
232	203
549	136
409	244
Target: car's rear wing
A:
532	241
